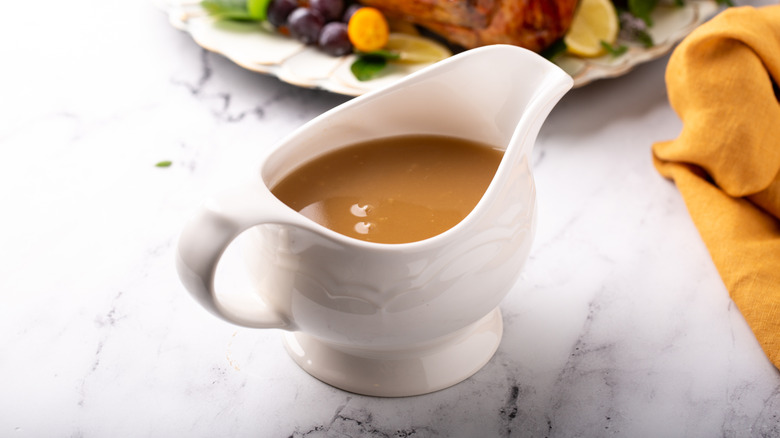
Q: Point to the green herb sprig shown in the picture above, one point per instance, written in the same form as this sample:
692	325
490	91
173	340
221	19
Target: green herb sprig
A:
370	65
642	9
555	49
614	50
239	10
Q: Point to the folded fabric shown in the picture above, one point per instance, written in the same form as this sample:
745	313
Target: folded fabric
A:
723	83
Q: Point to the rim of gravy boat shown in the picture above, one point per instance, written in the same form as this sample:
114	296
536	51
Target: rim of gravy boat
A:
538	107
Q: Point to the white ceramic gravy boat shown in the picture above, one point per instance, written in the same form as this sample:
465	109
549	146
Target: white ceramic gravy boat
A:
389	319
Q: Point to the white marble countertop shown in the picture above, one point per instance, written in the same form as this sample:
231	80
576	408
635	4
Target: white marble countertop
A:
619	325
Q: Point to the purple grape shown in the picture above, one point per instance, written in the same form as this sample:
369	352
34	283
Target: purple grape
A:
305	25
334	39
330	9
279	11
351	9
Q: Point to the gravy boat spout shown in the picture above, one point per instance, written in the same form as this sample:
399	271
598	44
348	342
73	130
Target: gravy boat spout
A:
389	319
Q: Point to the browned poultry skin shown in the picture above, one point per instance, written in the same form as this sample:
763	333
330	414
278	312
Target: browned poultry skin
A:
533	24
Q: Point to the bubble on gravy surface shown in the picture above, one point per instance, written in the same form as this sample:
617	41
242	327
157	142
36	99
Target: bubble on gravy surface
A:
392	190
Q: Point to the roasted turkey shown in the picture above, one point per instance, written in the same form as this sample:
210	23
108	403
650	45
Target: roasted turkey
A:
533	24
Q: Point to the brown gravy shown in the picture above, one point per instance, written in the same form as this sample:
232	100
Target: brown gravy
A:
392	190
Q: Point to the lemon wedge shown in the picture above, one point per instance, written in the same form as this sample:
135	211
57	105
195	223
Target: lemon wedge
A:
414	49
594	21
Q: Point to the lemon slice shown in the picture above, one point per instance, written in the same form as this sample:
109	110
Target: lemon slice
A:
594	21
414	49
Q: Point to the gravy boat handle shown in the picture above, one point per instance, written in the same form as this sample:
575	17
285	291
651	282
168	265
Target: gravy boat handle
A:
209	233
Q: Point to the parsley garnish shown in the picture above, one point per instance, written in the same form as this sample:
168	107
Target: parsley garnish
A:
614	51
369	65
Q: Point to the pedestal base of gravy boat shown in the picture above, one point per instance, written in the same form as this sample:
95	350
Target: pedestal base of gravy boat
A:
399	373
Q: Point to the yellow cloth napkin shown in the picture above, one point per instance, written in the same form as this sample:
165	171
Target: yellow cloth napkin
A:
722	82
